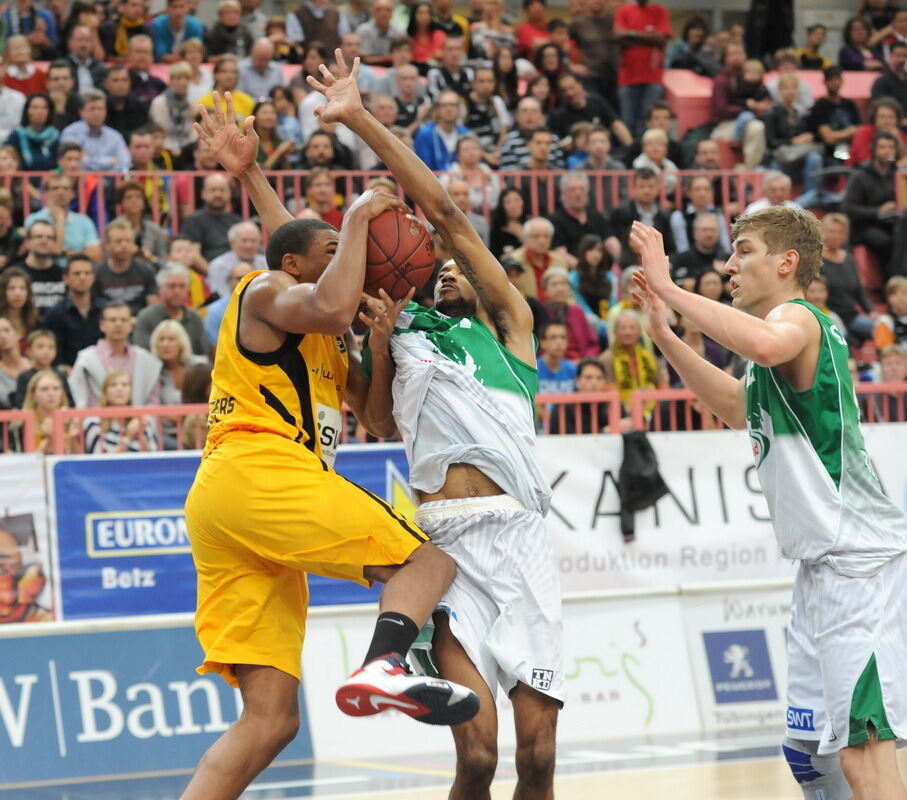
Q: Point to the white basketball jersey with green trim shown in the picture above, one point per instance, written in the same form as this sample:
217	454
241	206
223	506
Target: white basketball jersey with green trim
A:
825	499
460	397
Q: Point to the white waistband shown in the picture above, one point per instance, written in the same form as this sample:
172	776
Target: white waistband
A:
463	506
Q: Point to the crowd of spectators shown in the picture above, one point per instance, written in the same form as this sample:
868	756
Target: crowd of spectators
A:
118	252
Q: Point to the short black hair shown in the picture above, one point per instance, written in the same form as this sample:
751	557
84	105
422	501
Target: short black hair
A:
899	44
590	362
645	174
832	72
543	331
77	258
293	237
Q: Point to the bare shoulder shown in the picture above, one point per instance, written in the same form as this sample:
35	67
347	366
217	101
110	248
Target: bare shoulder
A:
795	313
264	288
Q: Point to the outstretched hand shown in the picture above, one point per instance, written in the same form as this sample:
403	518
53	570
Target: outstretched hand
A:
654	311
649	245
384	316
235	150
338	85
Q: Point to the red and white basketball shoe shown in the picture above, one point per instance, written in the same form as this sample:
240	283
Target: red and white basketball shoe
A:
386	682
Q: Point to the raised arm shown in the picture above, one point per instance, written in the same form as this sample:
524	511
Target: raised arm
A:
723	395
236	150
777	339
504	304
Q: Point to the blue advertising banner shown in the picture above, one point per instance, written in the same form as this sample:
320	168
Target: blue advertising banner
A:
121	536
112	702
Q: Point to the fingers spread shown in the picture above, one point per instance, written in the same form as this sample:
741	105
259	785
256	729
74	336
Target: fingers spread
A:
315	84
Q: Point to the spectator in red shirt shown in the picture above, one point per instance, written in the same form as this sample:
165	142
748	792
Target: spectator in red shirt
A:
426	36
642	29
21	72
320	197
534	31
885	114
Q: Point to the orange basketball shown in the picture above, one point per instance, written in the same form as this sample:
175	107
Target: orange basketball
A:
400	254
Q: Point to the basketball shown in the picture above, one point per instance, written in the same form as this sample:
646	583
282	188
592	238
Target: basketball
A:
400	254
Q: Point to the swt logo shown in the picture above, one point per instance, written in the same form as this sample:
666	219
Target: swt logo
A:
800	719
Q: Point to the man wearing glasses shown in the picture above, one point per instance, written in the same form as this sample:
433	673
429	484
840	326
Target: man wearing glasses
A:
73	232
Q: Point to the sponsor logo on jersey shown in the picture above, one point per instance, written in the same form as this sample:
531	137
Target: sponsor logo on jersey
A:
541	679
740	666
800	719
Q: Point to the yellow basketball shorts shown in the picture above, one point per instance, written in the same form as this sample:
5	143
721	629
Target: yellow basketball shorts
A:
263	512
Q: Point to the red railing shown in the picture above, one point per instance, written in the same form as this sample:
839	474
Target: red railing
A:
17	431
183	427
176	426
176	193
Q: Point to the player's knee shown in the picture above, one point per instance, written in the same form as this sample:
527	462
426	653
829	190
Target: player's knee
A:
535	761
286	726
275	727
477	764
819	777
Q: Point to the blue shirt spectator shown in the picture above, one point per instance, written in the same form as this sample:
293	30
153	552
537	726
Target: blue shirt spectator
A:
560	381
103	148
170	30
80	232
436	142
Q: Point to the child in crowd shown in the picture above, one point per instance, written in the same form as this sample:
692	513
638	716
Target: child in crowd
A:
892	369
42	350
556	374
45	393
752	87
579	141
891	328
119	434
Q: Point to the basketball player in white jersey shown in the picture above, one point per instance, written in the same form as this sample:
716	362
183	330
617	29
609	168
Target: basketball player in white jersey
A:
849	627
472	459
459	381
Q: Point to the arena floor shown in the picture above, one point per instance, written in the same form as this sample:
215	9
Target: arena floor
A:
740	766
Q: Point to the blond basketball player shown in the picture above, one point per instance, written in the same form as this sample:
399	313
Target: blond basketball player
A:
848	631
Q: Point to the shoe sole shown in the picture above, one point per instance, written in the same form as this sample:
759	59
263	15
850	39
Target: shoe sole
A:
427	702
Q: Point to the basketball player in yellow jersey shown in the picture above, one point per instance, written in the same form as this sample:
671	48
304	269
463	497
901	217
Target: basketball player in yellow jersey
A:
266	506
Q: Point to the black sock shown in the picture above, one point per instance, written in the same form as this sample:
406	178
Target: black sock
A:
394	633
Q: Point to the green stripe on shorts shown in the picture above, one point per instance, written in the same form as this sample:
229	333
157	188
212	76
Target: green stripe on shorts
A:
867	712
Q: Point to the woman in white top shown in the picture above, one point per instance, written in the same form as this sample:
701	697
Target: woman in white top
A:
173	111
201	83
170	343
119	434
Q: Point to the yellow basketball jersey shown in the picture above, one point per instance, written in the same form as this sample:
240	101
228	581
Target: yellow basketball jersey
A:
295	391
